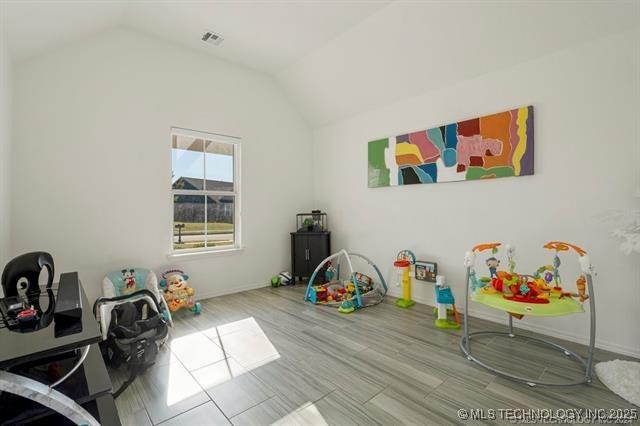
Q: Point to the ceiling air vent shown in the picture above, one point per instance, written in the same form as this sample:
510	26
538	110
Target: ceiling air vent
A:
212	38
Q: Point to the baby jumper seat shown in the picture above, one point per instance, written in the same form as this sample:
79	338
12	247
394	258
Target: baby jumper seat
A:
518	294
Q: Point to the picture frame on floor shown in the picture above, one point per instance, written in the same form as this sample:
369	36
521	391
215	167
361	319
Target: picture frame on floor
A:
426	271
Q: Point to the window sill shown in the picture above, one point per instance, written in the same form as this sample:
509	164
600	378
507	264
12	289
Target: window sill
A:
205	253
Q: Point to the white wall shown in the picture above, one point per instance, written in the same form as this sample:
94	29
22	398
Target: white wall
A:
5	145
587	110
92	124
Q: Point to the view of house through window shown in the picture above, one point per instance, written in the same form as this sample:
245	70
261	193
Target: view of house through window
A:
204	189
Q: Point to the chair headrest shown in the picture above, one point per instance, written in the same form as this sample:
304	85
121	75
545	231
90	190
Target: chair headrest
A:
26	269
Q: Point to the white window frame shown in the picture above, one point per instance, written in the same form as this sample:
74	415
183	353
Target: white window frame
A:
236	193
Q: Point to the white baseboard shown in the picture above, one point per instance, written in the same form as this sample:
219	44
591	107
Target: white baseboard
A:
500	319
215	293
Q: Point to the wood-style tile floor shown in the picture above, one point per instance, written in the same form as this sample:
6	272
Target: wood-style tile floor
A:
264	356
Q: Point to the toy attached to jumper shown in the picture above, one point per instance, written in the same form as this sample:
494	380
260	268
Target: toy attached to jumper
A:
538	294
444	299
177	292
357	291
403	263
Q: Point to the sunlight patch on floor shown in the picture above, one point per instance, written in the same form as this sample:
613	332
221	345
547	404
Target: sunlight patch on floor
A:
195	350
245	342
180	384
215	356
307	414
218	373
245	324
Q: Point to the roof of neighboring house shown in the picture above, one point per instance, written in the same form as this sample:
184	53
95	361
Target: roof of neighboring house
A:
195	183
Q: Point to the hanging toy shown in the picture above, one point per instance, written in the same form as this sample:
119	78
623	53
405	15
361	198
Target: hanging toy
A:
492	264
581	283
512	263
556	270
475	283
331	273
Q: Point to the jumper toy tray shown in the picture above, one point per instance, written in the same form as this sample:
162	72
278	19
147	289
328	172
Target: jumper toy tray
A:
519	295
555	307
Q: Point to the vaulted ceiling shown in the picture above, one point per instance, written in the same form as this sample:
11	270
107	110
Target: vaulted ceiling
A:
337	58
264	35
409	48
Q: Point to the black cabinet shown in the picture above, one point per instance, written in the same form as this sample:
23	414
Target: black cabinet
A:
308	249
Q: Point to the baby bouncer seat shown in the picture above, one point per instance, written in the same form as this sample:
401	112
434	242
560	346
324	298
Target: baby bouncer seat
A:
133	318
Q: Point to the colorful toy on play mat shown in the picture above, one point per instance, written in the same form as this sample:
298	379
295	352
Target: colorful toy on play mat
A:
538	294
404	260
357	291
177	292
445	305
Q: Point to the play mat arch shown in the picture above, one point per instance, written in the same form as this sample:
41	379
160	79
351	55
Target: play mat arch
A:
538	294
358	291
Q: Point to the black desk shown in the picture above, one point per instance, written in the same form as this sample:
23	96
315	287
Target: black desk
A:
20	347
25	354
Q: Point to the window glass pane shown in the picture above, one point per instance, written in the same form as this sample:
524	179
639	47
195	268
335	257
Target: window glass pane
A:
188	221
187	162
220	226
219	169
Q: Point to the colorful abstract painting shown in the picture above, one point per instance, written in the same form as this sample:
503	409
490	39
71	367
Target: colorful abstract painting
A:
497	145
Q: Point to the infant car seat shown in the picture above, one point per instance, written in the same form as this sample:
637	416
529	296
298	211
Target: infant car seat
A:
133	320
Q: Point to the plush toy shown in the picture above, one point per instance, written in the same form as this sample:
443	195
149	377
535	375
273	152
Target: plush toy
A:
129	278
177	292
581	283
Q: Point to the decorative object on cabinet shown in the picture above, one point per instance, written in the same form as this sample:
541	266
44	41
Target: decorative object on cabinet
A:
316	221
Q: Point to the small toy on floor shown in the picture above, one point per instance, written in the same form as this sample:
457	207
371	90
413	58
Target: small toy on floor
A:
403	263
444	299
177	292
346	307
283	278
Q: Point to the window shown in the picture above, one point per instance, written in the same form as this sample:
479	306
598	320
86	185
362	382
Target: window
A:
205	190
